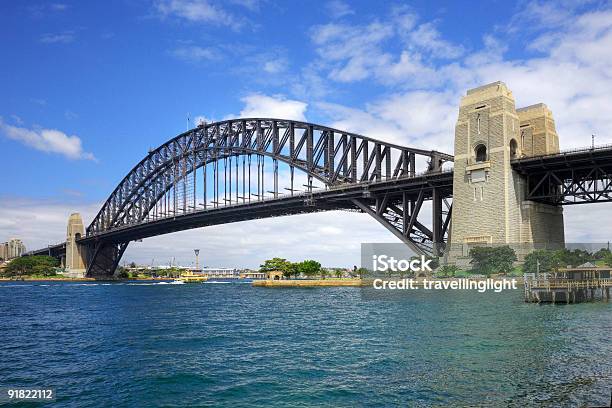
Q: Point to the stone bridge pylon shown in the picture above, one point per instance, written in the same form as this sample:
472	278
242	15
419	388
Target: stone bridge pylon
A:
489	196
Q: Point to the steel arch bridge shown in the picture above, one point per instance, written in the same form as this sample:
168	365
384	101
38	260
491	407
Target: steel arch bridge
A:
229	171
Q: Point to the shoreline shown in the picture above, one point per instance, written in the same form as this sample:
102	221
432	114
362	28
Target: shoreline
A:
66	279
285	283
263	283
418	282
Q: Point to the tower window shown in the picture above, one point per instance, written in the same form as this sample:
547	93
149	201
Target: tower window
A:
481	153
513	149
478	123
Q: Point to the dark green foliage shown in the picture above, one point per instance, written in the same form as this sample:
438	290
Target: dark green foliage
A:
309	268
548	260
122	273
488	260
361	272
608	259
32	265
275	264
573	258
603	253
447	271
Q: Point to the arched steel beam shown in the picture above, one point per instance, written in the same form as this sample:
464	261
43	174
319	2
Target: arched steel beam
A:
262	137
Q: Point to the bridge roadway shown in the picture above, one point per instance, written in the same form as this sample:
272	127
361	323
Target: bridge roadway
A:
341	197
576	176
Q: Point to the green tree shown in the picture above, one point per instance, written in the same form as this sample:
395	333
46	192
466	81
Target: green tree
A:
32	265
608	259
309	268
361	272
291	270
122	273
275	264
548	261
447	271
488	260
574	258
602	254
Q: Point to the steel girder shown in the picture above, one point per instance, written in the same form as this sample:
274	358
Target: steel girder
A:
574	177
335	158
400	215
576	186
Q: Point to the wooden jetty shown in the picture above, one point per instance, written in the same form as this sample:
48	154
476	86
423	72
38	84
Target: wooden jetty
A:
584	283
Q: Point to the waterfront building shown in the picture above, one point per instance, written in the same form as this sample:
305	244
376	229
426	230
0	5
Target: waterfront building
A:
248	274
569	285
220	273
13	248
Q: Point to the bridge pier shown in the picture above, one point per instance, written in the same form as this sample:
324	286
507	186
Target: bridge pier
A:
489	197
74	261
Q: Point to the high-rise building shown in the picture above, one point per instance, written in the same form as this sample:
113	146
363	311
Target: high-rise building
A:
13	248
4	251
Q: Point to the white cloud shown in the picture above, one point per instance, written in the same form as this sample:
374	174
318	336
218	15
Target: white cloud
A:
194	53
258	105
65	37
338	8
197	11
352	52
252	5
38	223
47	140
570	75
70	115
427	37
17	119
275	67
59	6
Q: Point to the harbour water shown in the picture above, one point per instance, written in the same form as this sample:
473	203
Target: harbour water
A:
146	344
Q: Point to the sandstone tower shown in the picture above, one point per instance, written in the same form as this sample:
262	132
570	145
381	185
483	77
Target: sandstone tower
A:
75	256
488	196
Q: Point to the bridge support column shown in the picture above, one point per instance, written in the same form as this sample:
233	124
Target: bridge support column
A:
74	261
437	223
489	205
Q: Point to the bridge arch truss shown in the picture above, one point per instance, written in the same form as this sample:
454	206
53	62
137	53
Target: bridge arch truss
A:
254	168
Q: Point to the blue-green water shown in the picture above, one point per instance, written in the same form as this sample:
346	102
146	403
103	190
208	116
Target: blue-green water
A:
234	345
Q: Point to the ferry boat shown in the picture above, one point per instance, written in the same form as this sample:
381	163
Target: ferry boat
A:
190	277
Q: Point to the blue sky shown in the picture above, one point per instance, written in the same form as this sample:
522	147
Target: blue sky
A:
88	87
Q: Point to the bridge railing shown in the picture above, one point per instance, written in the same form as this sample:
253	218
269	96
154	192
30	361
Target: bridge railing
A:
571	151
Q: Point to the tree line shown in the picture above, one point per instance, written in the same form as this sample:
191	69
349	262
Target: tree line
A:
38	265
492	260
308	268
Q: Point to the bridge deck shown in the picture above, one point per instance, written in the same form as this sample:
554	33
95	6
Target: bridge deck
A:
332	198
